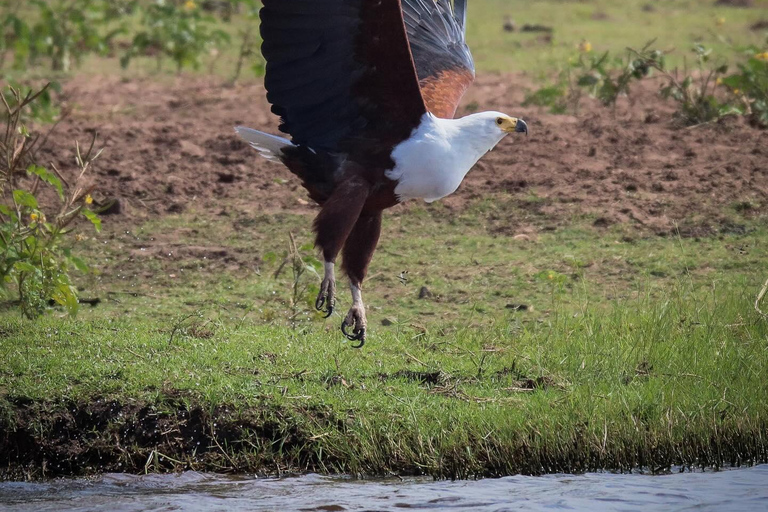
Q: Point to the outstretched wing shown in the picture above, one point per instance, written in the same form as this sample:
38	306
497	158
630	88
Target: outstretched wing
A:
443	61
340	71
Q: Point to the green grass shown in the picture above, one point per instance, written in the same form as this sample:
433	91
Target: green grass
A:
607	24
639	351
474	270
642	383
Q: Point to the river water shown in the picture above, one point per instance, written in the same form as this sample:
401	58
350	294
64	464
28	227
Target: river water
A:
733	490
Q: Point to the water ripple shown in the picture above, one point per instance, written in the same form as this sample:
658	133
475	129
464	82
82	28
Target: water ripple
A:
743	490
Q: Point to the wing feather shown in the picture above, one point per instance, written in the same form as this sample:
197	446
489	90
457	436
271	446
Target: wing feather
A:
340	72
443	61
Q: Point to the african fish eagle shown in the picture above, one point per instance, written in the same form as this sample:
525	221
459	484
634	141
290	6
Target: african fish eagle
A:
367	89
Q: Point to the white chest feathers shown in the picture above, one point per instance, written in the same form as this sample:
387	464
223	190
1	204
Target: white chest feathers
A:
432	163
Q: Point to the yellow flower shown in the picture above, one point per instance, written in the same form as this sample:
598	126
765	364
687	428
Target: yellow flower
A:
88	199
34	217
762	56
719	80
585	47
720	21
736	91
190	5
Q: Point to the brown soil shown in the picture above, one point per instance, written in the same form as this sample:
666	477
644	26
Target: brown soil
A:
171	147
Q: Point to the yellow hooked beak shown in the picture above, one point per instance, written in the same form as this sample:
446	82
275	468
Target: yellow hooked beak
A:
512	125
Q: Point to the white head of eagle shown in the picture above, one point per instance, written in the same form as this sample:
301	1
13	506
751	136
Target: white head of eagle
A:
433	161
367	91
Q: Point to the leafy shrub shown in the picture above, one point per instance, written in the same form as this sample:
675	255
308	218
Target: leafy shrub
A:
182	33
750	86
15	34
557	97
700	95
599	76
65	31
704	94
43	109
303	264
249	40
696	95
34	261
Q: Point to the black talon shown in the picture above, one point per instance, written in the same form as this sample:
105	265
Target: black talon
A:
344	325
355	336
361	338
320	302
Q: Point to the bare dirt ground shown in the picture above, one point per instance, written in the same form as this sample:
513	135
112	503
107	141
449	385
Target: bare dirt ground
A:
171	146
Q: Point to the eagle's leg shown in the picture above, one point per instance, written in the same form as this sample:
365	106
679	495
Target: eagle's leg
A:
358	251
326	299
355	318
333	225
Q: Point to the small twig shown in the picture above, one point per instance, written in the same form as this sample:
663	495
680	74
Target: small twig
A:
705	123
280	268
154	454
213	436
245	51
417	360
136	354
65	114
59	175
135	294
759	299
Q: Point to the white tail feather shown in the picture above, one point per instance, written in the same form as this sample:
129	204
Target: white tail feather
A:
269	146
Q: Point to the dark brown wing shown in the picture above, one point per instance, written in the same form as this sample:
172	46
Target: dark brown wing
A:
340	72
443	61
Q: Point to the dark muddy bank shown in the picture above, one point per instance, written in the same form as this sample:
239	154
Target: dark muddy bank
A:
41	440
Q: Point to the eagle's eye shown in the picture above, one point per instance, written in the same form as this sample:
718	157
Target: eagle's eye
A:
499	121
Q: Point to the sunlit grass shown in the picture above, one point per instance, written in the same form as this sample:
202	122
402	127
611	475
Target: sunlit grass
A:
635	350
642	383
474	274
608	25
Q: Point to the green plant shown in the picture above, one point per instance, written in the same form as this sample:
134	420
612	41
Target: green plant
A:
557	97
301	261
248	39
749	86
34	261
696	94
182	33
15	34
67	30
600	76
43	109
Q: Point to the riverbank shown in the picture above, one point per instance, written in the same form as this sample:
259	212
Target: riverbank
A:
531	323
644	383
